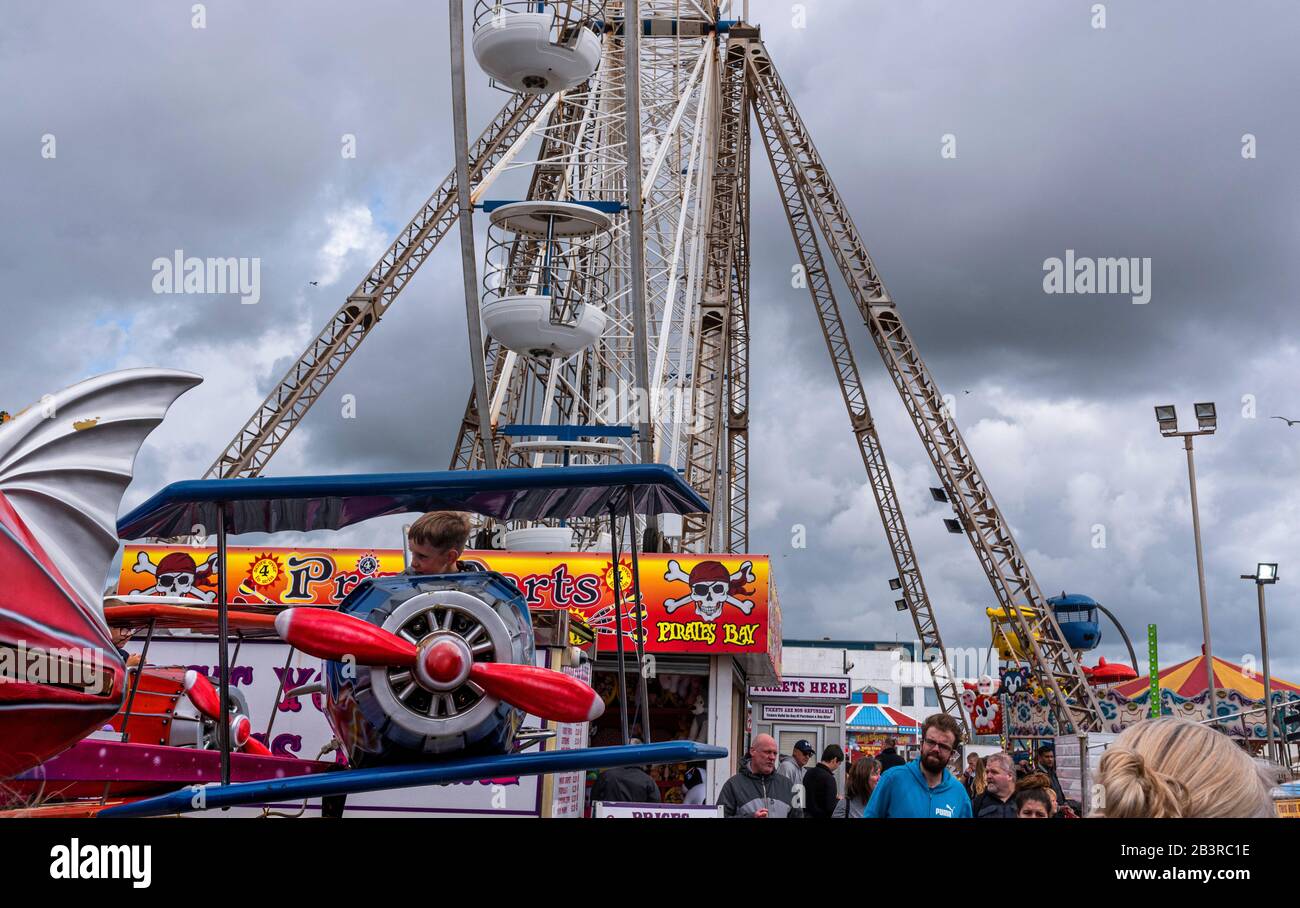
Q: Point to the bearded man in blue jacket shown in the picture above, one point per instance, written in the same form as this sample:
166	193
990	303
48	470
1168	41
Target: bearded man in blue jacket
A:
924	788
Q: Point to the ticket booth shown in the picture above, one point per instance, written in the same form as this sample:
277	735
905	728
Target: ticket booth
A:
809	707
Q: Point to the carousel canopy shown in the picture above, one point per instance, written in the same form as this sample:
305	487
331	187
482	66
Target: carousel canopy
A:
1187	679
867	717
870	694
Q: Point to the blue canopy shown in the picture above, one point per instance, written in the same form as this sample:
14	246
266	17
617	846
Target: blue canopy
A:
442	772
303	503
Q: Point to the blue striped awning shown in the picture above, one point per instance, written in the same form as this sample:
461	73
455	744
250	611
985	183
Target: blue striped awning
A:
867	717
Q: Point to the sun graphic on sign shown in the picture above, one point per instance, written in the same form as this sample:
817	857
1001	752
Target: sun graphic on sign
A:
266	578
622	575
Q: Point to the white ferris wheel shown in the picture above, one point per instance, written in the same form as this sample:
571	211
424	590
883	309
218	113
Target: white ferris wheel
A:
609	314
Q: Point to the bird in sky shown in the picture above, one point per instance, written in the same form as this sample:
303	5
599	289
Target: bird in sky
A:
314	283
1289	422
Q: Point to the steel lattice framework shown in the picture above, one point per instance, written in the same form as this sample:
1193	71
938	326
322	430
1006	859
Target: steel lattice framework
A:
701	75
286	405
1054	663
719	305
789	181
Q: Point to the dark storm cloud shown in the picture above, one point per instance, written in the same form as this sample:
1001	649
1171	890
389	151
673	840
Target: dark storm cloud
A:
1117	142
222	141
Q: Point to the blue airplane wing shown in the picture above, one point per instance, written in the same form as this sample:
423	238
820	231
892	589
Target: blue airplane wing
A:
187	800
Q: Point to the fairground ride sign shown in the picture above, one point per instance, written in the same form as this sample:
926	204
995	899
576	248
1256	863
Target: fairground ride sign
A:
705	604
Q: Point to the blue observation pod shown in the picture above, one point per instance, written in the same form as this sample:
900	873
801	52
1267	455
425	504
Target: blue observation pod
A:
1077	616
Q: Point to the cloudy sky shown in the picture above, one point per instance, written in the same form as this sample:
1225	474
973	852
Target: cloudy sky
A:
1124	141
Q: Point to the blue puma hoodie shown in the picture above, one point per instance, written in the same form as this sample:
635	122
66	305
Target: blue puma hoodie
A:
903	792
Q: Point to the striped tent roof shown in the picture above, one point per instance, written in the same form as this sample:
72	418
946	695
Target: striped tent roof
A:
878	717
1187	679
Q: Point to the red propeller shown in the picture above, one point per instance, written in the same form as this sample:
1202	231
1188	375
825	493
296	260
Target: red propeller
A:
441	665
203	695
206	700
256	747
335	636
241	731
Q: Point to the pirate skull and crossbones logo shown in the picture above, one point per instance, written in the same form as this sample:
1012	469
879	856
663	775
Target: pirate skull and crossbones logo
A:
711	587
177	574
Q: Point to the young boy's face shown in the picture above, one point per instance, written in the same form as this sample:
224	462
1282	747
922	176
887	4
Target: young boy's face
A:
425	559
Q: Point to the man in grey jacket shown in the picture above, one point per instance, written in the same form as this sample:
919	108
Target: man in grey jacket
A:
998	800
758	790
795	764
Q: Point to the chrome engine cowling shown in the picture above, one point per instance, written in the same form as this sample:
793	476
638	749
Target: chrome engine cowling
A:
392	715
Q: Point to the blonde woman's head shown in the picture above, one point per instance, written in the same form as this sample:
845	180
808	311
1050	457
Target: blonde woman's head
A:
1174	768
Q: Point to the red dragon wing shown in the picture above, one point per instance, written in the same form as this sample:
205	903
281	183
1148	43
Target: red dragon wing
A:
64	466
66	462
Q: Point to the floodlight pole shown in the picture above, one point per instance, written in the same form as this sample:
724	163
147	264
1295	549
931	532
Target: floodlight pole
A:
1268	676
1200	575
1268	682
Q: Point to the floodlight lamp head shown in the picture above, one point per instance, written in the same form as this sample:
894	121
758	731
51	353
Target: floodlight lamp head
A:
900	604
1206	417
895	584
1266	573
1167	419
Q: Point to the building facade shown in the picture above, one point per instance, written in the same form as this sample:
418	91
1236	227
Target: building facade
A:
888	666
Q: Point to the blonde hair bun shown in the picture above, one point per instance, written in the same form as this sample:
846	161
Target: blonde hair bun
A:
1175	768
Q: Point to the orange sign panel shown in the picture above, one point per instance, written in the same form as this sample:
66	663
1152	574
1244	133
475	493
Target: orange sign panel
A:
254	576
689	603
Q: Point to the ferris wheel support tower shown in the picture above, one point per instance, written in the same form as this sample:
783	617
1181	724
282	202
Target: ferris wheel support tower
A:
667	268
1054	664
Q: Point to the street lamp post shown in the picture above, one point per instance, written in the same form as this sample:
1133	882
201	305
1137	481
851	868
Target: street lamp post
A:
1206	419
1264	575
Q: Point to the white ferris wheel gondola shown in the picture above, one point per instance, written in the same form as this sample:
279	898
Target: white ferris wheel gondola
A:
540	539
545	304
538	47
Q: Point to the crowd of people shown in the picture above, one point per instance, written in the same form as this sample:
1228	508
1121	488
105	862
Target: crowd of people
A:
1000	787
1162	767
